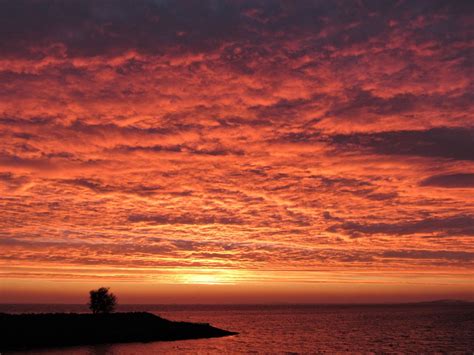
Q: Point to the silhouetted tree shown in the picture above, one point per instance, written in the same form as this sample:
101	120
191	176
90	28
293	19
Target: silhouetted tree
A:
101	301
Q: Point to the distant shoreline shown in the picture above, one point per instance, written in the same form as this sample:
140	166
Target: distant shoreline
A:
48	330
125	305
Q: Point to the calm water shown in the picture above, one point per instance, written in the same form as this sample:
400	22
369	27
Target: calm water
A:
301	329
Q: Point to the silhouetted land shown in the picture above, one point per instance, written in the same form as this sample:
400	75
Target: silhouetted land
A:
446	302
27	331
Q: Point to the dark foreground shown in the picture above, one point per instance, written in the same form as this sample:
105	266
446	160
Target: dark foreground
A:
27	331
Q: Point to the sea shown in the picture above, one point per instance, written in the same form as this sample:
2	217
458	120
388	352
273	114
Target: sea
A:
297	329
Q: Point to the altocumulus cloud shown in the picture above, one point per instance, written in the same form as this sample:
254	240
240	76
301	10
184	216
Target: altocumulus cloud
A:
250	135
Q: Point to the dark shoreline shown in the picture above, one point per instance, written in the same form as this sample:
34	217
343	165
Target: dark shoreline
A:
48	330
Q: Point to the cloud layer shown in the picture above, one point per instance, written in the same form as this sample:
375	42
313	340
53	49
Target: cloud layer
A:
242	138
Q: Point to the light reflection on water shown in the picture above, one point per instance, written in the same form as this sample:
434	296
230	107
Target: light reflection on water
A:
301	329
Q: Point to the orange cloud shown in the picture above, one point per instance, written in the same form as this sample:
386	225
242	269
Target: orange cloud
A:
146	142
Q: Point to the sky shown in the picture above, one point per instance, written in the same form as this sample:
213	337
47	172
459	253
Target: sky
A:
236	151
